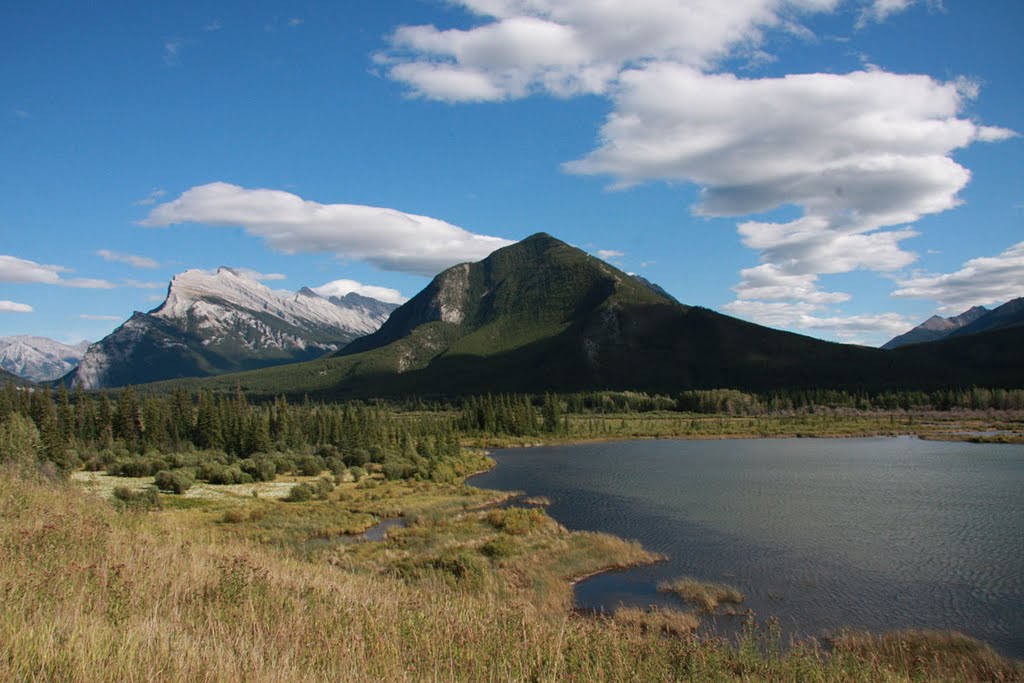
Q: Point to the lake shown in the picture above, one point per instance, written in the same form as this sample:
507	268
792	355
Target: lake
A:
873	533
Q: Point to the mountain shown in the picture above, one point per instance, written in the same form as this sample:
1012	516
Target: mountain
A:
39	359
211	323
1010	314
935	328
541	315
6	377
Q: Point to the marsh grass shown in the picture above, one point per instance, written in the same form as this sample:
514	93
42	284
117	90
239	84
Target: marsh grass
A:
667	621
90	593
705	594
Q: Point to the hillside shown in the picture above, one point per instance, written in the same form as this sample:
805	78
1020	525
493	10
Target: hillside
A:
1010	314
541	315
936	328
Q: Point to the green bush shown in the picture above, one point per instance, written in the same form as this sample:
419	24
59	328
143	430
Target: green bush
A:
300	493
322	488
176	481
260	468
499	548
518	521
309	465
136	467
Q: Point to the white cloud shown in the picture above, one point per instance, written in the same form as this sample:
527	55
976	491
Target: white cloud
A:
22	114
808	316
389	239
859	153
14	307
89	316
138	284
172	49
212	25
340	288
980	282
294	22
14	269
261	277
609	254
129	259
571	47
880	10
769	282
151	198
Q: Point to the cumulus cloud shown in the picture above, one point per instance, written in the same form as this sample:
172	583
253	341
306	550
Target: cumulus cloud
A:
810	316
14	269
129	259
389	239
90	316
14	307
340	288
980	282
859	153
572	47
609	254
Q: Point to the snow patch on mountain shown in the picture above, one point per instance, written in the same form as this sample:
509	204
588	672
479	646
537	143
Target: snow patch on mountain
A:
39	359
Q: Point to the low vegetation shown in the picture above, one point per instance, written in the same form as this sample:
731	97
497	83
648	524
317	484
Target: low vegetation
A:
88	593
705	594
204	538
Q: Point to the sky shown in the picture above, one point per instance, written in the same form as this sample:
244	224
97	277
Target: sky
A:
842	169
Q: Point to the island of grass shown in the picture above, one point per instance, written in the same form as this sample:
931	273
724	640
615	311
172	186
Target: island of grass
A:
705	594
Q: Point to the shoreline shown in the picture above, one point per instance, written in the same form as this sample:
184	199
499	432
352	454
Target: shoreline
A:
591	613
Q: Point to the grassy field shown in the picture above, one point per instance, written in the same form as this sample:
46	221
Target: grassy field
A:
232	587
977	426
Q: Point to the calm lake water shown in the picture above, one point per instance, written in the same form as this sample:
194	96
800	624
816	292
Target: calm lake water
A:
877	533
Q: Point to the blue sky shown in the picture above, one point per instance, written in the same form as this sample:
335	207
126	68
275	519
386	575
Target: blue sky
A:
840	169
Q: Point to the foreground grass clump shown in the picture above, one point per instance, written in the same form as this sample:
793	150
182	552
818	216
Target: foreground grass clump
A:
667	621
706	595
923	653
90	593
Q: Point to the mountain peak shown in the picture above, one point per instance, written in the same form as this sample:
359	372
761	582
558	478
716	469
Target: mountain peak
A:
937	327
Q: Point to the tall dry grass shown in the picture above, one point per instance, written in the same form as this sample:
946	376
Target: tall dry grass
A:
91	594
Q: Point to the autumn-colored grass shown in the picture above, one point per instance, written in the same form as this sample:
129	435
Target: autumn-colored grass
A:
705	594
89	592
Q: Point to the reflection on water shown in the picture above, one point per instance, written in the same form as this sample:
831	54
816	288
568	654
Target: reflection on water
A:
876	533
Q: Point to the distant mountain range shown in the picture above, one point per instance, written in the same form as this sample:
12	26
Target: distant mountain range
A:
972	321
541	315
212	323
39	359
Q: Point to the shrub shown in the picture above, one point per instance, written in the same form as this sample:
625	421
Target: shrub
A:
322	488
234	516
518	521
136	467
144	499
216	473
309	465
358	473
300	493
176	481
357	457
260	468
499	547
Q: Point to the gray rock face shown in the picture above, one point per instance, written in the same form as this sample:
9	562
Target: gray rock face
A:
39	359
211	323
